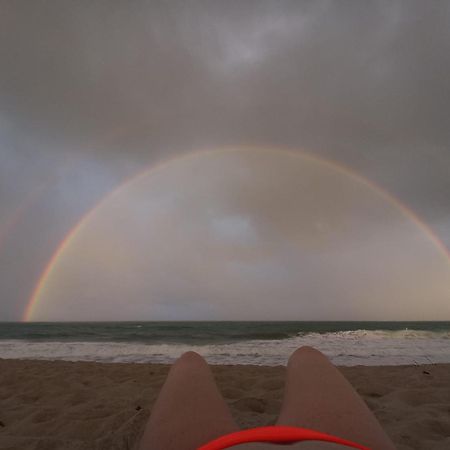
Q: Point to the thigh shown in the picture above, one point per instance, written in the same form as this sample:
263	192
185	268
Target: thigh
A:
318	396
189	410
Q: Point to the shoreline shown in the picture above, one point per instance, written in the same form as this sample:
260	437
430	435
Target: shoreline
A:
229	343
99	405
340	366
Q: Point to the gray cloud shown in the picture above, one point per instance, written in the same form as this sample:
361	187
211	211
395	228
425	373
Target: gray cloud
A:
91	93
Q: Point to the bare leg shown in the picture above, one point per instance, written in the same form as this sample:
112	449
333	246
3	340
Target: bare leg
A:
189	410
317	396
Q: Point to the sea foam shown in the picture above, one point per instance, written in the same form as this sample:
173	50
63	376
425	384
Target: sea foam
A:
348	348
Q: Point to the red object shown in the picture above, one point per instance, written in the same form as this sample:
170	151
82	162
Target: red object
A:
275	435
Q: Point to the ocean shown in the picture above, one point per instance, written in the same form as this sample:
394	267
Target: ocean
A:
259	343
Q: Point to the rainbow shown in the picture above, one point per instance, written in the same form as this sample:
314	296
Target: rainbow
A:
71	235
19	213
32	197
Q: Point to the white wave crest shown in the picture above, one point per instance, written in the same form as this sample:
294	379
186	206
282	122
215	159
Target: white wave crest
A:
360	347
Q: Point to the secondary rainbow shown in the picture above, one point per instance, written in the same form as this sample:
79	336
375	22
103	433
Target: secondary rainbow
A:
69	238
34	195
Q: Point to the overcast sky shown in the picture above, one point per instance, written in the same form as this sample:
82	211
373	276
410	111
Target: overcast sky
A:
92	93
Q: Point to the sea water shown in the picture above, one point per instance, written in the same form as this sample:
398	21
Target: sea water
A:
259	343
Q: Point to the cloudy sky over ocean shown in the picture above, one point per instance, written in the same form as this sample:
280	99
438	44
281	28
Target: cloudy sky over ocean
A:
93	94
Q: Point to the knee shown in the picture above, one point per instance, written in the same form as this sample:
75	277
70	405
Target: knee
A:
190	359
306	353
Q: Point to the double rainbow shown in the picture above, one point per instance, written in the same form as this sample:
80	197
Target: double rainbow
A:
343	170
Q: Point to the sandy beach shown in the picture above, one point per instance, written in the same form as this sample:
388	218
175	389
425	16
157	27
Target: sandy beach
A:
63	405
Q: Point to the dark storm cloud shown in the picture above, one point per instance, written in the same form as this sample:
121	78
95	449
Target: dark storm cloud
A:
352	71
91	92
